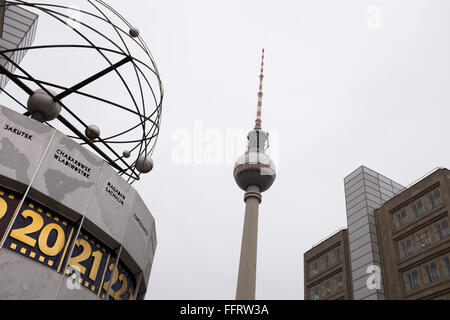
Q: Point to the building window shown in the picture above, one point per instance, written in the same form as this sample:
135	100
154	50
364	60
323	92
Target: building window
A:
434	198
400	218
313	268
412	280
430	272
417	208
338	282
324	262
406	248
314	293
446	265
336	257
326	288
441	229
423	239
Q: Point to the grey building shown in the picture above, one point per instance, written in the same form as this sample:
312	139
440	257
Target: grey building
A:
365	191
18	30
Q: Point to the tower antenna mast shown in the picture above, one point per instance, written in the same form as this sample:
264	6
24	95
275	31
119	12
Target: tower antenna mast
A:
260	94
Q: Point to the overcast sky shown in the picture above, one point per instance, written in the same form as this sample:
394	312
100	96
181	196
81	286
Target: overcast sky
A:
347	83
342	89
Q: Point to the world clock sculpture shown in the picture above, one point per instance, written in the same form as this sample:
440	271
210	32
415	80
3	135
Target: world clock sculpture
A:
79	120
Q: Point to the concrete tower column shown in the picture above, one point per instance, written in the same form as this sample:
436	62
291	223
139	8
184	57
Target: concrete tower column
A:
247	265
254	173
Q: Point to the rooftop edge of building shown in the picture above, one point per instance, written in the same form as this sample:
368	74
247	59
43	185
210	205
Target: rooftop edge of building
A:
365	169
416	182
333	237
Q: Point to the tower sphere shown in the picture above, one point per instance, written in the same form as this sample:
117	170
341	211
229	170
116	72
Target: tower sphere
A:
42	103
92	132
255	168
144	165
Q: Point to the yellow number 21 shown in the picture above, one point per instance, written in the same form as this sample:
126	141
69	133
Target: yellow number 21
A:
85	254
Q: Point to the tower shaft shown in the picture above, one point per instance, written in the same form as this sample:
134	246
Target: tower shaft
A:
247	266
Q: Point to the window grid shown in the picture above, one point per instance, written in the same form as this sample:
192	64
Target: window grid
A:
314	293
417	208
423	239
441	229
324	262
336	255
446	265
430	272
400	218
313	268
434	198
406	248
337	282
326	288
412	280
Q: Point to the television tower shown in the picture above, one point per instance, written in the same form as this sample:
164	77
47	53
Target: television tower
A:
254	173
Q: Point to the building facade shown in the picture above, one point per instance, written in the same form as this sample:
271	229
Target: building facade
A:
398	239
365	190
17	31
327	269
415	246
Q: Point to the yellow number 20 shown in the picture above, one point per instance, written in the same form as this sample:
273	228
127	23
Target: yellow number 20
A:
22	234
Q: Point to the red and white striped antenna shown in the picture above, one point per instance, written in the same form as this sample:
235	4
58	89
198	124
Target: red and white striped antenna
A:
260	94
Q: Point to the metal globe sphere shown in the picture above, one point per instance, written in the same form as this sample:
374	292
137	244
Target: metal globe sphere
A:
122	75
144	165
134	32
92	132
42	106
126	154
